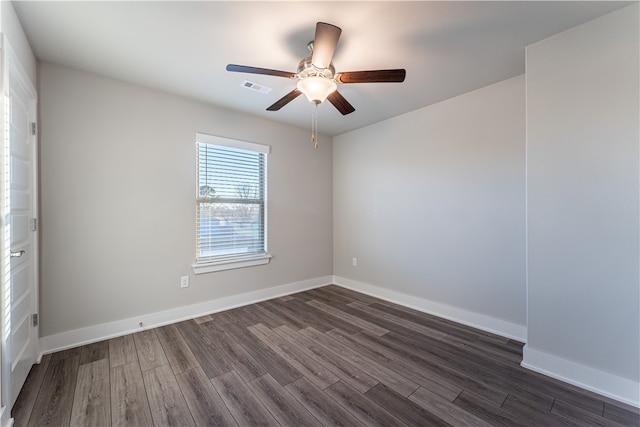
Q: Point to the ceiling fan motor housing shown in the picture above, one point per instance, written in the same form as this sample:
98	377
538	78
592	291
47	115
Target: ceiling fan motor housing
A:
307	69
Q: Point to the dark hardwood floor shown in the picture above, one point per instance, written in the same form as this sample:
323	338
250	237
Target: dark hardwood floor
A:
328	356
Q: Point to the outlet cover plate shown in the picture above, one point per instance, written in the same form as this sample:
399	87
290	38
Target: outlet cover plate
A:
184	282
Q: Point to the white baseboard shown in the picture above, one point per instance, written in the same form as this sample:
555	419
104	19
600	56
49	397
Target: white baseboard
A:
91	334
606	384
465	317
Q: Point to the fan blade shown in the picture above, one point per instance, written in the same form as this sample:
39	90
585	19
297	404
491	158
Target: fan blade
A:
340	103
284	100
256	70
324	44
375	76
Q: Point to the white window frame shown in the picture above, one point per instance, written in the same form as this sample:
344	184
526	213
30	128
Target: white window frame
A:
240	261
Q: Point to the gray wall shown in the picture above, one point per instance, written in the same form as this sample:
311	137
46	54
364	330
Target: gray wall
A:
118	209
432	203
583	195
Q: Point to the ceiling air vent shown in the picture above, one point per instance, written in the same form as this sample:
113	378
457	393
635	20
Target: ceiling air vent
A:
255	87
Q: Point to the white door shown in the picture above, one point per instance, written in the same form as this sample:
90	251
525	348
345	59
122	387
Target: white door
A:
20	237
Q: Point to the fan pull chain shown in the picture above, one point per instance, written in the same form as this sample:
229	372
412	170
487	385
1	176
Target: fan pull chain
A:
314	124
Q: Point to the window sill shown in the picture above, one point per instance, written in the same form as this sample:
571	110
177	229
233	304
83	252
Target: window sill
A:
229	264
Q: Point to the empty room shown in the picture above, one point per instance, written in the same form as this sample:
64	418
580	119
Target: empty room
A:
369	213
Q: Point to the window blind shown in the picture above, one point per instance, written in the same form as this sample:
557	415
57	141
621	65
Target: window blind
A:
231	200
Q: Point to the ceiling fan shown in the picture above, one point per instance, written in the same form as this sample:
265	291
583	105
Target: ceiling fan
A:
317	77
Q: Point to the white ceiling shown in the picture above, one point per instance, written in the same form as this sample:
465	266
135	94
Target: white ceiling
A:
447	48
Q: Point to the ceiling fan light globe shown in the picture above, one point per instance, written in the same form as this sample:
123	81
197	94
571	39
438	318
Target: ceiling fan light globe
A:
317	89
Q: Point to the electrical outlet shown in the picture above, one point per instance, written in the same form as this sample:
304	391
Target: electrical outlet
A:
184	282
354	262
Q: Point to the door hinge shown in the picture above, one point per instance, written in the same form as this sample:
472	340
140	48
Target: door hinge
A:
34	224
34	319
34	128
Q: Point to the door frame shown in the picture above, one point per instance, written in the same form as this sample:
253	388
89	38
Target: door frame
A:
10	63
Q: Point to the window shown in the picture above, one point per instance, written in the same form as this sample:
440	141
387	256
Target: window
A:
231	204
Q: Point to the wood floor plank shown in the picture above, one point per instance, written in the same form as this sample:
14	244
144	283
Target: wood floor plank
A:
396	327
223	317
249	316
150	352
373	352
326	297
166	402
407	411
481	369
209	357
486	369
167	333
537	401
440	322
245	407
580	416
450	328
445	410
331	322
282	405
488	411
308	315
482	348
383	374
628	416
129	403
23	406
177	352
568	393
526	414
368	412
515	344
510	348
290	319
272	319
440	367
55	400
92	398
92	352
122	350
426	379
242	362
511	378
347	372
203	401
401	365
363	324
283	372
241	316
202	319
412	326
459	368
324	408
66	354
314	371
